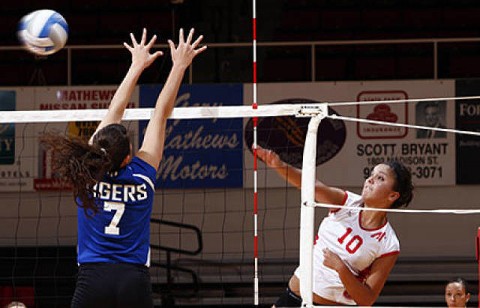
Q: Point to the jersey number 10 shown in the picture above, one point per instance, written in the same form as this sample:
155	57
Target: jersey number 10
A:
354	242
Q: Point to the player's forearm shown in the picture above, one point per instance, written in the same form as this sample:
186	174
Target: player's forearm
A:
168	95
153	141
361	293
291	174
124	92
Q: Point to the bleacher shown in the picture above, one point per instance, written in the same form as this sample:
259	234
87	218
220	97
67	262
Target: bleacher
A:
417	282
48	274
104	22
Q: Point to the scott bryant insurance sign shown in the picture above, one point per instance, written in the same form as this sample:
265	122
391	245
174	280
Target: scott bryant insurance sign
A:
429	155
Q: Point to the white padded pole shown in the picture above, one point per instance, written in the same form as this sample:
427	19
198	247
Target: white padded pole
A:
307	212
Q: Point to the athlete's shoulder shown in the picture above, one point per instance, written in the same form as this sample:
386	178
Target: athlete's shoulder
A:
137	162
138	165
135	172
390	241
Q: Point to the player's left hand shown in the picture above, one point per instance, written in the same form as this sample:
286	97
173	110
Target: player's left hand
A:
141	55
186	50
332	260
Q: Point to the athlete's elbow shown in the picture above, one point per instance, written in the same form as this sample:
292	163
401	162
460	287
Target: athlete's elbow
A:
366	301
161	115
166	112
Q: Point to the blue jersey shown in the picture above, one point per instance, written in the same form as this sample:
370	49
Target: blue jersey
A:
120	231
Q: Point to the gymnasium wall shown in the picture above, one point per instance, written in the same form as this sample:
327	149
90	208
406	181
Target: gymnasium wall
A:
35	211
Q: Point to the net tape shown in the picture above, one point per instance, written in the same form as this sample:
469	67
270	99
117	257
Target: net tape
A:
51	116
42	116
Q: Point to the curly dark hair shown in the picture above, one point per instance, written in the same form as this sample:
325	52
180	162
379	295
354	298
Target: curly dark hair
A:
114	140
403	184
82	165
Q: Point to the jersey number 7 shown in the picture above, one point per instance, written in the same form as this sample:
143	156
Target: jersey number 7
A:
119	209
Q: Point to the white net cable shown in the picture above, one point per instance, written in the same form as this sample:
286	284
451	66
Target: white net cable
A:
403	210
448	130
406	100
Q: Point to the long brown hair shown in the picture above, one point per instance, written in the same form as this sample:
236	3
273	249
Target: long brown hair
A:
77	163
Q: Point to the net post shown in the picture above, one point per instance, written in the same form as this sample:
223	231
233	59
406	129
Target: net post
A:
307	211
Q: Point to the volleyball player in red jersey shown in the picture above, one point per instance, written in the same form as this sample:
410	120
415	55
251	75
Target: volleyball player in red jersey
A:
355	249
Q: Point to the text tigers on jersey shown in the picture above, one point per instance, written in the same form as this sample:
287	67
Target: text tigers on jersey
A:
119	192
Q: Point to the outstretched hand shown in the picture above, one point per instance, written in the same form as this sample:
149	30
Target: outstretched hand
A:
141	55
184	53
270	158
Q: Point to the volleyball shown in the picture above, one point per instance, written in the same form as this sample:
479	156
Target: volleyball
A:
43	32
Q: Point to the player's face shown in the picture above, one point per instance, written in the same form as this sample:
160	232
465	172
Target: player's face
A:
455	295
378	188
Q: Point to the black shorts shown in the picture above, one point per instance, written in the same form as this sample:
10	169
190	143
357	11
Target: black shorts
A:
288	299
112	285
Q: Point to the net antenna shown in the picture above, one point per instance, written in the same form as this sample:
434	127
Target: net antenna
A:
255	158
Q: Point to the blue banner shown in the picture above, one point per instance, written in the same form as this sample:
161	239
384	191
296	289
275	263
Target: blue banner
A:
200	153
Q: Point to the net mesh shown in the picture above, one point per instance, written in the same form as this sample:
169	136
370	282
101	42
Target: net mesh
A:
201	229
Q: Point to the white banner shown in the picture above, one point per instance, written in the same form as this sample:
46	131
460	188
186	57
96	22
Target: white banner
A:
430	158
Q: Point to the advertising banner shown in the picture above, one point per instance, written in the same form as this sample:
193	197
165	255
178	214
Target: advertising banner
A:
17	166
71	98
200	153
208	153
351	148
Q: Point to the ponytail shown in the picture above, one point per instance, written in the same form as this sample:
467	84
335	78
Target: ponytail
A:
76	162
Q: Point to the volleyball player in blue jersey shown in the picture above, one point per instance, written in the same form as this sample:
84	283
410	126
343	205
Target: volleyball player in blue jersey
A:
114	188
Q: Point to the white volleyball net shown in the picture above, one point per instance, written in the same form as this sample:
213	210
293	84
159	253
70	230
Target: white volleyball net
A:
201	228
202	222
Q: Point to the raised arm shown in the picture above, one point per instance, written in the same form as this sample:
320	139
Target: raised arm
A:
141	59
323	193
151	150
